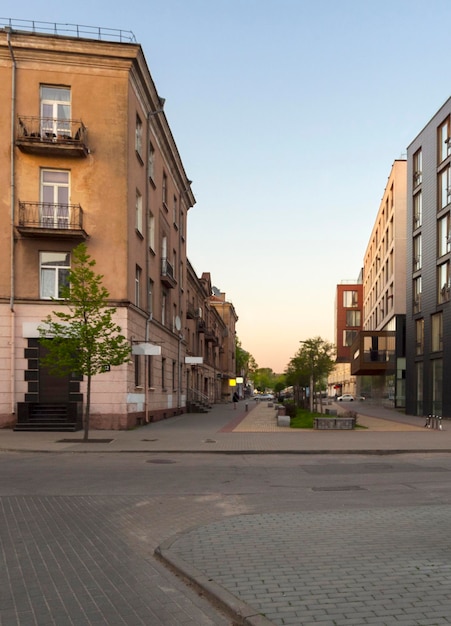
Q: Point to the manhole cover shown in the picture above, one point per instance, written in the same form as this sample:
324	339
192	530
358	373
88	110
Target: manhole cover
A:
209	440
161	461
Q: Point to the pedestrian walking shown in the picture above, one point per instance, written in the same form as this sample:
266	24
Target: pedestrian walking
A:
235	400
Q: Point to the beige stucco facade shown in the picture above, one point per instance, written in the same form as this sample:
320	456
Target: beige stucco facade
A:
106	158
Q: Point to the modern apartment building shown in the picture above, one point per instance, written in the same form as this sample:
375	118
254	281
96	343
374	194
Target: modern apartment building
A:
378	352
348	322
90	157
428	320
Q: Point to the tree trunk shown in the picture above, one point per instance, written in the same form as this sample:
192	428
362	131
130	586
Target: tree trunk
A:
87	409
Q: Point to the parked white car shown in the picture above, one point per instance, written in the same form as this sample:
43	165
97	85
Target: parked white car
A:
346	397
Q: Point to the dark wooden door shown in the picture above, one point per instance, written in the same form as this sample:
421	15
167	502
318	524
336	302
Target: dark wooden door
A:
52	388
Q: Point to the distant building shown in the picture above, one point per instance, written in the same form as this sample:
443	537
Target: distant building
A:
428	325
348	322
378	352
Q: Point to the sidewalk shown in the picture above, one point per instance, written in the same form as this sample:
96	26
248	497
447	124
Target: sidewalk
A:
250	429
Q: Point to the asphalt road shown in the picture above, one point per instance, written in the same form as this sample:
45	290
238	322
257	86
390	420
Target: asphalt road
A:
78	532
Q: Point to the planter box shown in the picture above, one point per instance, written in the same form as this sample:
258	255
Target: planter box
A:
334	423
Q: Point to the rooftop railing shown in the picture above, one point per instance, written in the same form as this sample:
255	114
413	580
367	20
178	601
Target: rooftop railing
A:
80	31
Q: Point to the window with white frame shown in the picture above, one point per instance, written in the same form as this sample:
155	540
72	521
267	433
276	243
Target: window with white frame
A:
139	212
417	210
444	140
443	236
443	282
151	230
417	253
54	206
350	298
417	293
150	290
444	187
437	332
55	112
419	336
139	136
417	168
54	270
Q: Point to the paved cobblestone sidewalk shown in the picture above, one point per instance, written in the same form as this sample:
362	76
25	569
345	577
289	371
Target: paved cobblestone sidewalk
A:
386	568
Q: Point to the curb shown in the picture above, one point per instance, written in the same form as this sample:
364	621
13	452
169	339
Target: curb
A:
375	452
243	614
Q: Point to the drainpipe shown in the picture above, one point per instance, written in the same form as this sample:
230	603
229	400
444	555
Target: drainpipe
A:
13	201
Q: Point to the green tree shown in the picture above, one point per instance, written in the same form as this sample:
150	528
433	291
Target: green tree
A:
84	339
311	365
245	363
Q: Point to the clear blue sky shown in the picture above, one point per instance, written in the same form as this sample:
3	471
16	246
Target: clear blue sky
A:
288	115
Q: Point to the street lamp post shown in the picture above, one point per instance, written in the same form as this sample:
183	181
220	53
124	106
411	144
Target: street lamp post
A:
312	379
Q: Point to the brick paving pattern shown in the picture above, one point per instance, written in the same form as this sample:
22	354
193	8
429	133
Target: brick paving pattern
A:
359	567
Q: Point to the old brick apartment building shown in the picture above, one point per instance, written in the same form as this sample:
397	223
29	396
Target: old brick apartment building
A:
89	156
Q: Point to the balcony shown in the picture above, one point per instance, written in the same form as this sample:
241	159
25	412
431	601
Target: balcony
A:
40	219
211	337
45	135
167	274
373	353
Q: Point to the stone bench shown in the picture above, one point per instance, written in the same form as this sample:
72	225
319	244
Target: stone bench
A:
334	423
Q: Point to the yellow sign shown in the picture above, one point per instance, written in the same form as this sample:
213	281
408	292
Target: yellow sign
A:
232	382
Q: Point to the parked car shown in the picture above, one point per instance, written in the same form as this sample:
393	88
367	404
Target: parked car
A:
264	396
346	397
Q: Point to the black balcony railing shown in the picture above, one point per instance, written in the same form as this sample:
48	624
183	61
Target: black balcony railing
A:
42	217
167	273
48	134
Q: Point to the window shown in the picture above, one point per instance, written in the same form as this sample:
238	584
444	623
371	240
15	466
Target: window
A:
139	212
150	296
348	337
137	285
437	332
417	168
164	301
417	210
138	136
54	199
444	145
182	224
419	336
437	386
352	318
175	211
350	298
444	188
417	291
163	372
417	253
164	190
443	236
55	112
149	371
174	369
137	371
443	282
151	162
151	230
54	273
